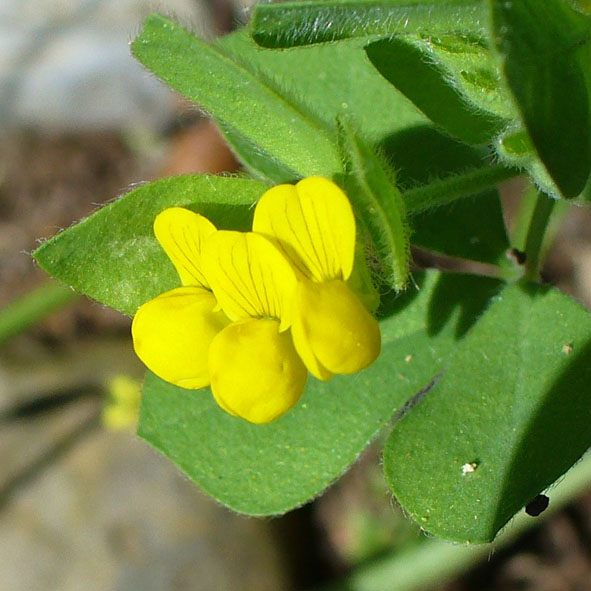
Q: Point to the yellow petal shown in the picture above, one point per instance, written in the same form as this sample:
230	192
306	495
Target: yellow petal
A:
255	370
313	222
181	234
172	334
332	330
249	276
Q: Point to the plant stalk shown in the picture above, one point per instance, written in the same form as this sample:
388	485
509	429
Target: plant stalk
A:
33	307
447	190
535	235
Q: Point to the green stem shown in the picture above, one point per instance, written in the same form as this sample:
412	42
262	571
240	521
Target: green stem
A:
535	235
449	189
32	307
434	561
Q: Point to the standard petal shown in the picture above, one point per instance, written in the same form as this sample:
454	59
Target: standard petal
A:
181	234
255	371
332	331
172	334
249	276
314	224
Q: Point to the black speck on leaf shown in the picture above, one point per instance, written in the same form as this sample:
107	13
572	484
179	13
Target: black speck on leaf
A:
537	506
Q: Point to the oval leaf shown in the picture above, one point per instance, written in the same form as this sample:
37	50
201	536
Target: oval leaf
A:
429	87
507	419
539	44
235	96
113	256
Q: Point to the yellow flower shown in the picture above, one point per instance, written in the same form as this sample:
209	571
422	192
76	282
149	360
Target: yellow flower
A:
313	223
244	352
172	333
256	309
254	368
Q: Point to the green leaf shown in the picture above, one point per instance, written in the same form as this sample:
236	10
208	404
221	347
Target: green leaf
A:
430	87
270	469
446	157
510	416
277	109
539	47
258	163
113	256
319	80
235	96
288	24
471	228
514	148
467	62
378	203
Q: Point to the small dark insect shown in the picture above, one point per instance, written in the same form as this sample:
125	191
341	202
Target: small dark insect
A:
516	256
537	506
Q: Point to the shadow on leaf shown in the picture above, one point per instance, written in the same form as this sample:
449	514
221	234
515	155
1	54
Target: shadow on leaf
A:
466	295
405	150
429	87
558	434
393	302
226	216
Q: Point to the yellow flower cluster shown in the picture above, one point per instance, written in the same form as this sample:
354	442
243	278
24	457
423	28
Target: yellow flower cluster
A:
258	310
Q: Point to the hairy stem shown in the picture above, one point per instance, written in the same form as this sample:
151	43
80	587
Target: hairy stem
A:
447	190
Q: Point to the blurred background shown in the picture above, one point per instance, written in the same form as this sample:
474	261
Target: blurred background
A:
84	504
